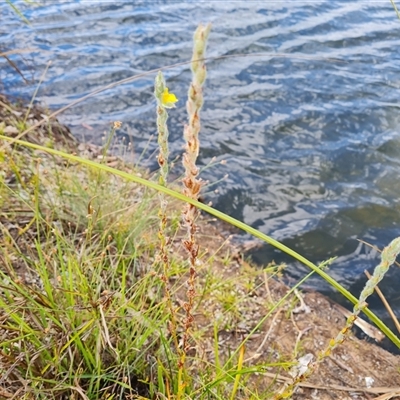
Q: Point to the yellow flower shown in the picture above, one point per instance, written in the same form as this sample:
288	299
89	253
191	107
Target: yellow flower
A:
168	100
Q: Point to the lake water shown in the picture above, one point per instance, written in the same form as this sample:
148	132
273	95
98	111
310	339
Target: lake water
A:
311	141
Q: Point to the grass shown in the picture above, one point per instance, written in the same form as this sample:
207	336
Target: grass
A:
85	273
83	306
94	300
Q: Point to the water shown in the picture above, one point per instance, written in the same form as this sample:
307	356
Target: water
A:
312	144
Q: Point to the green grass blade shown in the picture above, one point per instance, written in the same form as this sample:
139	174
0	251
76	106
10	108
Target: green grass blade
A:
222	216
17	11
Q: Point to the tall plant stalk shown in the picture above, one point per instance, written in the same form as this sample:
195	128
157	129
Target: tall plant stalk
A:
165	100
192	184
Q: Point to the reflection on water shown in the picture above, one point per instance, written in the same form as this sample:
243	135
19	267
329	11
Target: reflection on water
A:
312	145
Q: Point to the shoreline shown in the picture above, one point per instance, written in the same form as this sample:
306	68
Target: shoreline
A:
242	294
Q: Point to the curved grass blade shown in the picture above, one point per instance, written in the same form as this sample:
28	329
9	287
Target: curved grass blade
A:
222	216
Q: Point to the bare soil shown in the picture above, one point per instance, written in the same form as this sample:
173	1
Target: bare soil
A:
304	324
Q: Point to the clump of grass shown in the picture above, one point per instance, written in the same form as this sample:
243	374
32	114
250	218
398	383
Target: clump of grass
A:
77	283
